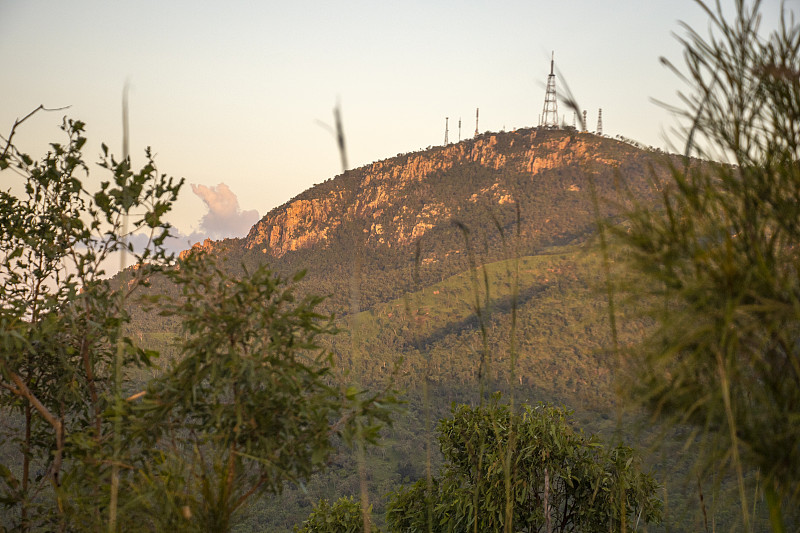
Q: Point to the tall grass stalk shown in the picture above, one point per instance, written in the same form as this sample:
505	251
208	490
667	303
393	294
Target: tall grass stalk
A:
481	311
355	339
426	402
481	306
571	103
118	401
508	466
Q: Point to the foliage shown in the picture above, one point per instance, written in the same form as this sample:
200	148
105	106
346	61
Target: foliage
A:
62	321
344	516
721	257
251	393
529	471
248	405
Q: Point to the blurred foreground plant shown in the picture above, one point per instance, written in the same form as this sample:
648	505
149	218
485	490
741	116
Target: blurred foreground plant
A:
61	320
251	403
722	259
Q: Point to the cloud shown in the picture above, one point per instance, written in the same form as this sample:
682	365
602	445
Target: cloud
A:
224	217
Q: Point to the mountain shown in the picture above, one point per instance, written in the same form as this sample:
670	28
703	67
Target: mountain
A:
393	246
404	219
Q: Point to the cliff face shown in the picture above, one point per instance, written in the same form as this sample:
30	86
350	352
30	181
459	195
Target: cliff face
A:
376	197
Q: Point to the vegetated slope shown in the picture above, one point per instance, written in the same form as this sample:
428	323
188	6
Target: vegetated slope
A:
547	310
402	224
389	231
432	337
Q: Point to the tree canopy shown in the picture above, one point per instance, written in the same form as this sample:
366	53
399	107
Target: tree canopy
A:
526	471
343	516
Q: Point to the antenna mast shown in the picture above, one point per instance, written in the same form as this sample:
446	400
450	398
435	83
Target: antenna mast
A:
550	111
477	110
600	121
585	123
459	129
446	127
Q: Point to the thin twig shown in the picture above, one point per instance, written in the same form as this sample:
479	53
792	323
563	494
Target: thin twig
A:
19	121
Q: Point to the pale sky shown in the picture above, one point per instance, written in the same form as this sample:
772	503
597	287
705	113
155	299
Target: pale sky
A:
233	92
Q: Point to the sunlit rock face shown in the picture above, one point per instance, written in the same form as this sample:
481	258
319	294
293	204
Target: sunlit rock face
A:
376	197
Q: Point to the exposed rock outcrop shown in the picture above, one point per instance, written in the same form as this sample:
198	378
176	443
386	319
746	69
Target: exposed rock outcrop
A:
366	194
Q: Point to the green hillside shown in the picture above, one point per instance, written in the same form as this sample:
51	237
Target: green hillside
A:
562	341
455	273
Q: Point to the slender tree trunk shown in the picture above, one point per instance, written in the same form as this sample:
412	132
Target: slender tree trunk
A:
26	448
26	466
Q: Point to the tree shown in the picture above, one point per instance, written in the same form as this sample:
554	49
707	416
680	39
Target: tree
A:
250	398
62	321
249	404
344	516
720	258
527	471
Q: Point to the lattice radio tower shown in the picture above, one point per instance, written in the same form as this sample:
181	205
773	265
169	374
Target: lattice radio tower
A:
477	109
446	119
600	121
549	117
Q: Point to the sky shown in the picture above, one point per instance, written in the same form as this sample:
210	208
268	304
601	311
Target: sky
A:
238	96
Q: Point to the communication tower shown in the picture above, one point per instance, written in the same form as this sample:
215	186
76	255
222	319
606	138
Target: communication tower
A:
477	110
446	119
600	121
549	117
459	129
585	124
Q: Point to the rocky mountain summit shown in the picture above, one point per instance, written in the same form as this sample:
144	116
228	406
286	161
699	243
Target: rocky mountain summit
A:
379	197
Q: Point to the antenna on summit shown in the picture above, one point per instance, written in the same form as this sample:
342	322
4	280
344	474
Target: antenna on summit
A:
549	117
477	110
600	121
446	127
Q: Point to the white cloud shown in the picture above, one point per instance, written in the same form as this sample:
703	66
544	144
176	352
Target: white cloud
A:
224	217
